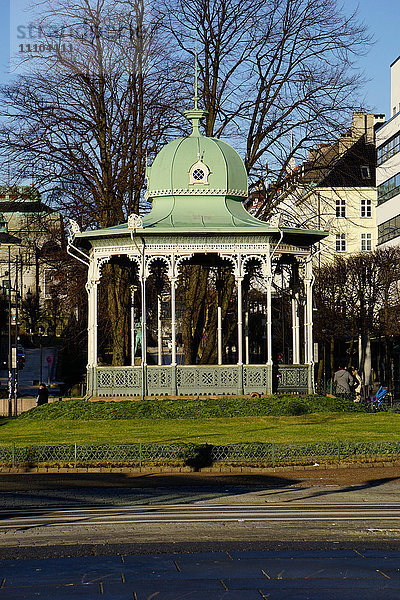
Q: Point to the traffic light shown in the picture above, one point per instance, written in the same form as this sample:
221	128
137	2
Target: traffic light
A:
20	357
280	358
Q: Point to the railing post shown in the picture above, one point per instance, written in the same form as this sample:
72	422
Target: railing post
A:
273	454
338	450
140	454
75	454
13	454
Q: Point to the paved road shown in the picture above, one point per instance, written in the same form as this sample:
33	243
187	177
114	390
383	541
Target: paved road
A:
113	508
120	537
283	575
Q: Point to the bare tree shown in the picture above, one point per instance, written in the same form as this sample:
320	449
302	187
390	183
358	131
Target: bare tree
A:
276	77
358	300
87	115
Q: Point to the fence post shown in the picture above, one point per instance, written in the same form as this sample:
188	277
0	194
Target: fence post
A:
273	455
140	454
338	450
75	454
13	454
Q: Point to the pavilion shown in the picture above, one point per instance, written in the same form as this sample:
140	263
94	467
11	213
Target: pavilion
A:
197	186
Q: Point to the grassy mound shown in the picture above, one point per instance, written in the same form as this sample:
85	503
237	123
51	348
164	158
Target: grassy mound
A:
166	408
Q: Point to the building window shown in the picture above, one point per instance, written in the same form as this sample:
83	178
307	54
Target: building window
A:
365	172
199	173
366	207
366	242
389	230
340	242
340	207
388	189
388	149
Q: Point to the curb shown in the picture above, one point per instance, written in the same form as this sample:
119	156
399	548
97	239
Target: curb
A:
216	470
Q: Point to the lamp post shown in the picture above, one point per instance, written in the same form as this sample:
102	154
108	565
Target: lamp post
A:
50	333
40	332
16	337
10	365
134	289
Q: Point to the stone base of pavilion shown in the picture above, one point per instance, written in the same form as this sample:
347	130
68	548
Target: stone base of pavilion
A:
199	380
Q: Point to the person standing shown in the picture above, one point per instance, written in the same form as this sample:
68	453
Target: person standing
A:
43	395
343	381
357	384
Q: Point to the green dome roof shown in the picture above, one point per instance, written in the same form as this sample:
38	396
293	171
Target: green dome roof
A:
196	181
224	170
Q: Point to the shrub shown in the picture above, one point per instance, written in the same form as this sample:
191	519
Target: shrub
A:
296	407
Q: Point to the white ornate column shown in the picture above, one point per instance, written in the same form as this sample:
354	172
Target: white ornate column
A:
91	288
268	278
173	277
239	280
143	279
219	332
173	320
308	313
144	273
133	325
159	329
296	329
246	337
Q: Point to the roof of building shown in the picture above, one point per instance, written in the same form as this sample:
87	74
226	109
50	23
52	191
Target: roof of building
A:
198	181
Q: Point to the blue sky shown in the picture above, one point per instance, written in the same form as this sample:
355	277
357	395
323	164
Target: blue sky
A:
381	16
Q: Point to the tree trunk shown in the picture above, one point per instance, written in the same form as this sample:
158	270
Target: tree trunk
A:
332	356
210	351
194	310
118	299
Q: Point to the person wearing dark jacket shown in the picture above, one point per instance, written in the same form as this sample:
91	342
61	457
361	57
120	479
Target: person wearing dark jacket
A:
43	395
343	381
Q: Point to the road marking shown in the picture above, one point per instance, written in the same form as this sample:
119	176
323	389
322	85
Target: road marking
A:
223	584
25	519
382	573
264	573
359	553
200	507
177	566
381	530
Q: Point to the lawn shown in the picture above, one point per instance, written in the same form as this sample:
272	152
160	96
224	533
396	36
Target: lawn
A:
227	430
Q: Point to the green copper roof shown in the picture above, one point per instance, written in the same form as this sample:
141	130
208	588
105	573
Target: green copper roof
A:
197	181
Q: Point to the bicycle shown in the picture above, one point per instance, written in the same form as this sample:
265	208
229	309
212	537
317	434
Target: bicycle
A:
377	402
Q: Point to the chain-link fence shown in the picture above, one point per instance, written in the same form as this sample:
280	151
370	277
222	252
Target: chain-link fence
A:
197	456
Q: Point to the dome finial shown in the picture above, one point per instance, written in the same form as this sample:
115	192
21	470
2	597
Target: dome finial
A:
196	114
196	97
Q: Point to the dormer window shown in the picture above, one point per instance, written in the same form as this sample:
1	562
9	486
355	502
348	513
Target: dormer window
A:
199	173
365	172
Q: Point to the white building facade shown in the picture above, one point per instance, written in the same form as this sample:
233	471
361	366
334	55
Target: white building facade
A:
388	168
